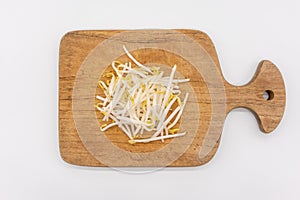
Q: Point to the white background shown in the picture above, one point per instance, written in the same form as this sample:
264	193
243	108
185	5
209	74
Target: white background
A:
248	164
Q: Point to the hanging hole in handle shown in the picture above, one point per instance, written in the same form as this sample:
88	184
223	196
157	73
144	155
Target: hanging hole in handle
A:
268	95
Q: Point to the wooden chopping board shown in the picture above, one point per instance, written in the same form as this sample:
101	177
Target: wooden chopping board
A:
86	55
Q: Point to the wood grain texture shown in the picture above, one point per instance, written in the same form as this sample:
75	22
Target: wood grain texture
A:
76	46
268	110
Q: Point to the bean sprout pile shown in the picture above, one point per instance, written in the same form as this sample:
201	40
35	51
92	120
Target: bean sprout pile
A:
140	99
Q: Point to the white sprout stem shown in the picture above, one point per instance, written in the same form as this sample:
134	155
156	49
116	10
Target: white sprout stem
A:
101	98
168	89
148	106
116	69
103	85
126	131
109	126
132	129
131	71
137	131
146	140
131	121
111	85
180	112
165	112
167	131
135	61
181	80
109	115
166	122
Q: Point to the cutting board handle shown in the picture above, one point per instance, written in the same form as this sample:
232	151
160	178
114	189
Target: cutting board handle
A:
264	95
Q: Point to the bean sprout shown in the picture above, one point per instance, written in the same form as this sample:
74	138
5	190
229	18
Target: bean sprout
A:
140	99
